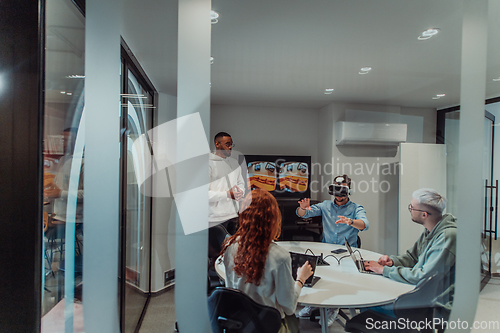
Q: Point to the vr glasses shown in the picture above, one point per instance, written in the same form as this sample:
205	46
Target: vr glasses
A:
338	190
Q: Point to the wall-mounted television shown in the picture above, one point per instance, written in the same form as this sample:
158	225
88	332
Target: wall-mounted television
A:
283	176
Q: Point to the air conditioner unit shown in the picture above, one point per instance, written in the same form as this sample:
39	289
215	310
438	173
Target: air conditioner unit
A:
369	133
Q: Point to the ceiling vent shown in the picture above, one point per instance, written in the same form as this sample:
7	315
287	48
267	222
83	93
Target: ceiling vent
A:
369	133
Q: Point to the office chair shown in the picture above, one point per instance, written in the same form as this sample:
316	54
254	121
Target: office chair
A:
217	235
232	311
416	305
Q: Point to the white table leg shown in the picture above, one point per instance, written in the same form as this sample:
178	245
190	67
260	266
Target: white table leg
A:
352	312
322	315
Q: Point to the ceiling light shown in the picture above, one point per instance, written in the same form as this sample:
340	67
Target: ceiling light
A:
328	91
496	79
435	97
428	34
69	93
211	60
63	92
365	70
440	95
214	17
75	76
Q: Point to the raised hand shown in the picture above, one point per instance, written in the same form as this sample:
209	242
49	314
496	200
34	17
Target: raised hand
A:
305	204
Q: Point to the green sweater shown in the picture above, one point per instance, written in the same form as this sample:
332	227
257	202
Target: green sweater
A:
433	252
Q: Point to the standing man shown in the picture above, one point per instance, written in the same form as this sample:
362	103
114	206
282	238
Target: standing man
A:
225	189
341	218
433	252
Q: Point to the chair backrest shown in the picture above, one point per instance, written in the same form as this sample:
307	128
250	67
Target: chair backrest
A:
419	303
234	311
358	241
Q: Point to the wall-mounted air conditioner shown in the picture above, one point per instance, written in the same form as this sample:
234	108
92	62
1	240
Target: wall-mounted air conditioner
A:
369	133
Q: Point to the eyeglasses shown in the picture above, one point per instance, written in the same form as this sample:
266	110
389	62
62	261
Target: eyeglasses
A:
228	144
410	208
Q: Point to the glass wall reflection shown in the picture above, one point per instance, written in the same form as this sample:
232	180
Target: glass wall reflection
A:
63	166
137	105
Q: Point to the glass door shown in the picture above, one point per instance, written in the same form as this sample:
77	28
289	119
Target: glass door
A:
451	139
137	119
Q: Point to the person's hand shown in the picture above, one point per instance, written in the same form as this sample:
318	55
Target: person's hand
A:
374	267
385	261
235	193
305	204
52	192
304	272
344	220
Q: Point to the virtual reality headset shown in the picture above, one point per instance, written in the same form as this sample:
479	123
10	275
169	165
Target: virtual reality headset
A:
339	190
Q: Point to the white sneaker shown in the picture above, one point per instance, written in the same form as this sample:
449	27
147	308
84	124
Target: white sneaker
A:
331	316
306	311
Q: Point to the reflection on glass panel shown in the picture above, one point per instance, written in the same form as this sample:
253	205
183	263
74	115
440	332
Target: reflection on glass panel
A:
451	140
63	166
138	206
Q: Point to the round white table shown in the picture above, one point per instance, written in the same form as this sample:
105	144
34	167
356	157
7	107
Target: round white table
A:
341	285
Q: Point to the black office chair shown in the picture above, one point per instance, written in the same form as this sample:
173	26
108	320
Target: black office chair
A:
216	237
232	311
416	305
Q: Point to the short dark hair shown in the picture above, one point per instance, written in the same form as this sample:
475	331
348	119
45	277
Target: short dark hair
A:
220	135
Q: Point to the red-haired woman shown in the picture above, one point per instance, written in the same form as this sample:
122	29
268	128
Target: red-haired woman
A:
259	267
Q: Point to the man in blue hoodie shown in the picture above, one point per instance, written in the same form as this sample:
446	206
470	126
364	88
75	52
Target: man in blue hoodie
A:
433	252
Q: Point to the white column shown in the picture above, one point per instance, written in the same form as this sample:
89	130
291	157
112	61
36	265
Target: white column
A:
101	183
469	179
193	96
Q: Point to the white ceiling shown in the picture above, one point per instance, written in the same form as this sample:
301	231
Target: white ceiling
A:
286	52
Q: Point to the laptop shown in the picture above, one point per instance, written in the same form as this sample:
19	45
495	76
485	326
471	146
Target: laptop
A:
360	263
298	259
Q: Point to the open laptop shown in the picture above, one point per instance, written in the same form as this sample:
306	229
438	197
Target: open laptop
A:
298	259
360	263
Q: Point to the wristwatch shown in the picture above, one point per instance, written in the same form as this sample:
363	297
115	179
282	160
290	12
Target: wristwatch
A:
352	222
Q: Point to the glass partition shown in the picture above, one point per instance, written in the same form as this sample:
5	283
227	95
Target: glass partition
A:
63	173
137	107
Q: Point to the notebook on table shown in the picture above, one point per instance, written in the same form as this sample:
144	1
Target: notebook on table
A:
298	259
360	263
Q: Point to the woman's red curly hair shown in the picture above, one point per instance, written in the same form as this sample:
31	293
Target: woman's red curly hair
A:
259	225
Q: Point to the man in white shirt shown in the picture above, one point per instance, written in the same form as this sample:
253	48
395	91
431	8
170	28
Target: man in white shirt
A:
226	188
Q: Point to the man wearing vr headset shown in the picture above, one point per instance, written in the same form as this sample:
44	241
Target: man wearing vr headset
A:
342	219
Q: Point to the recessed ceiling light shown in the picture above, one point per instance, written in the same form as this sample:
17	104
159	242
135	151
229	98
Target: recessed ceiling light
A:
435	97
428	33
211	60
440	95
69	93
214	17
328	91
63	92
496	79
365	70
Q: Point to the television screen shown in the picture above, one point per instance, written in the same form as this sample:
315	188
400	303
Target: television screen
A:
282	176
